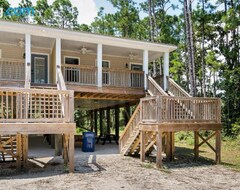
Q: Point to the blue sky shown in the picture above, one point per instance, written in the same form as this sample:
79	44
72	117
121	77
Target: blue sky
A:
88	8
110	9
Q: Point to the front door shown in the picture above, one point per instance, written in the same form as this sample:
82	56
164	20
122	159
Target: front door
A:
136	78
39	69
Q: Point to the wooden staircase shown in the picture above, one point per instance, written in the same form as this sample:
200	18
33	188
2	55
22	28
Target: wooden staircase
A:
130	139
130	136
159	115
8	148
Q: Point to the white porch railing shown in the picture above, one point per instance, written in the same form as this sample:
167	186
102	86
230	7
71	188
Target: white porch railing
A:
11	69
87	75
123	78
79	74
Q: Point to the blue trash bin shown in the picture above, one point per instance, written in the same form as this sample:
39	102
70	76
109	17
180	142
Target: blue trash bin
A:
88	142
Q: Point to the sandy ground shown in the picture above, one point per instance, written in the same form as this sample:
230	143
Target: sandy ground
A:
106	169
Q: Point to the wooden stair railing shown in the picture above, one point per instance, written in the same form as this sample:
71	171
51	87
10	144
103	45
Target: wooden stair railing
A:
176	90
130	133
129	140
161	107
154	89
60	80
62	86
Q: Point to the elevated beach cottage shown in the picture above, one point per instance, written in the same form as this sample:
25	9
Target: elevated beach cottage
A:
45	73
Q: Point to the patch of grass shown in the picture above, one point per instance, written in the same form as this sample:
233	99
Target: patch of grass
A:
184	136
65	168
147	165
151	165
230	155
165	169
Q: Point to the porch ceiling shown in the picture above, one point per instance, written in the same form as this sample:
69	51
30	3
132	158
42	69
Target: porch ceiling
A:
10	38
75	46
37	41
68	45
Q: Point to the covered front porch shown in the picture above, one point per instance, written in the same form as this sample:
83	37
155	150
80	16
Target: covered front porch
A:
89	62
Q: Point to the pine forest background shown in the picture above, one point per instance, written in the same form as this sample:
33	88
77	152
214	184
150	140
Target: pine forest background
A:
207	61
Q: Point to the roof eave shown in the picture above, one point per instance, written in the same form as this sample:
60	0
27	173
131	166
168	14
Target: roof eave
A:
83	36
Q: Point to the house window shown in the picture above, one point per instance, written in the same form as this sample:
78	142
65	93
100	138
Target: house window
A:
106	74
72	60
71	71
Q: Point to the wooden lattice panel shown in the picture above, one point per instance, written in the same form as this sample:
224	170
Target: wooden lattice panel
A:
34	105
45	106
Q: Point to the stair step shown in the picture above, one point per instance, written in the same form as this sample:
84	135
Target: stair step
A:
9	147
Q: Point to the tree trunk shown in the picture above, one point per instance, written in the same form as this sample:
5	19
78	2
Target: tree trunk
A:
214	84
189	33
152	23
203	51
150	20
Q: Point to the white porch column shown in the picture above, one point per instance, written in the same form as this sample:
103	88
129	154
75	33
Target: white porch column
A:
165	70
145	67
58	54
58	138
99	65
27	58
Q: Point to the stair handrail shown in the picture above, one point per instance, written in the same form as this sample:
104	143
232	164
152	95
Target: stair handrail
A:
135	114
62	86
180	90
152	82
60	80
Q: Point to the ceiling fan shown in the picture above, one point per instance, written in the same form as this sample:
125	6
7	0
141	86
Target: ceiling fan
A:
84	50
21	43
132	56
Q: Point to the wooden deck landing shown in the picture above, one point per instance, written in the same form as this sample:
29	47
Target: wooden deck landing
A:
107	92
160	115
167	130
22	130
175	127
